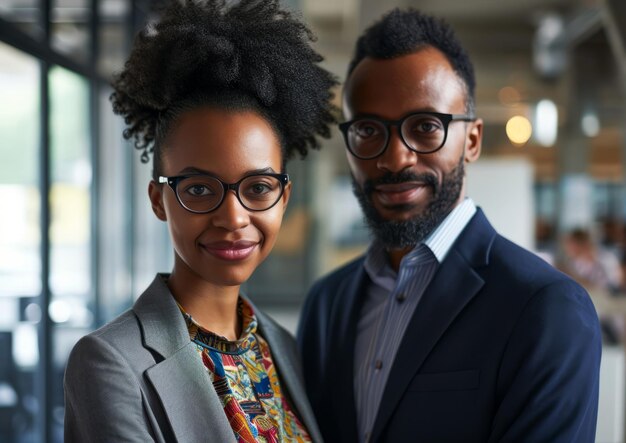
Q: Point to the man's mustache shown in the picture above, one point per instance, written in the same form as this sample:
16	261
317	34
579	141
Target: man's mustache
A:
401	177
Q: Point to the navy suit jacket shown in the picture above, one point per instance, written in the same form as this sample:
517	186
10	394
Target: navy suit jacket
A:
502	347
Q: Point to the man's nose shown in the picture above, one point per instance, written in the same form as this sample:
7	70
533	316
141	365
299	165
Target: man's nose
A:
397	157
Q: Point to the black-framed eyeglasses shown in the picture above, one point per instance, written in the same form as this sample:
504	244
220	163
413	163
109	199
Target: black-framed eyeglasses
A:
202	193
422	132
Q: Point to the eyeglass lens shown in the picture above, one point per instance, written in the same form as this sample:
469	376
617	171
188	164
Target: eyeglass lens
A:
422	132
204	193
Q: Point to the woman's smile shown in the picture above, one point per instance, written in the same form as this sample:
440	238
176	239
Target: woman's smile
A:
231	250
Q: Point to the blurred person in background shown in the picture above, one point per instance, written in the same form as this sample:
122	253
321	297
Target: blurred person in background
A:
622	263
443	330
222	93
597	267
591	264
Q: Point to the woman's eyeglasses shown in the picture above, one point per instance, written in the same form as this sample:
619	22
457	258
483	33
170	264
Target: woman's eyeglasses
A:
202	193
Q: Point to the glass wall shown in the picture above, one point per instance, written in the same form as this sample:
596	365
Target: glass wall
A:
114	219
66	175
72	293
20	244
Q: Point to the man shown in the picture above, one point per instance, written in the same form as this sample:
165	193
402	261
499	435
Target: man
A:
443	331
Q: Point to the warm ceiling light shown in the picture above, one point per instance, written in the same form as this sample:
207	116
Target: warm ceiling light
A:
519	130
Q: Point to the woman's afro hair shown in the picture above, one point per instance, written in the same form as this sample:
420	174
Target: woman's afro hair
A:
402	32
207	48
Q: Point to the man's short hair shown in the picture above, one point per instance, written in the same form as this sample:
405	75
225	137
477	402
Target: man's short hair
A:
401	32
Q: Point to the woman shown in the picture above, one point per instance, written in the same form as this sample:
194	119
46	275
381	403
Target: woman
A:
221	95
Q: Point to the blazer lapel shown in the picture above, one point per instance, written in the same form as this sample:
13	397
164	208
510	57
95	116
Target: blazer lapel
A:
285	357
454	285
190	402
344	318
193	408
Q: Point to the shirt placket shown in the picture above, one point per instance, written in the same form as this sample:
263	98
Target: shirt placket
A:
385	349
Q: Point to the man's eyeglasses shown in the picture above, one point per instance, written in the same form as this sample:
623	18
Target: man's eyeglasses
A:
202	193
422	132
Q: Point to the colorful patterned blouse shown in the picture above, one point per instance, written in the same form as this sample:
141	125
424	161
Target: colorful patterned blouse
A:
247	383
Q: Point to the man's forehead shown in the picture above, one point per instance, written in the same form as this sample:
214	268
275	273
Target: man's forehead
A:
424	79
420	55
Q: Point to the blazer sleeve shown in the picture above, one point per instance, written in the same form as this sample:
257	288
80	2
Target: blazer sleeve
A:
549	376
103	399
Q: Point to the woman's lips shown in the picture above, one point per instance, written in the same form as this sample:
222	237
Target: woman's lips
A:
232	251
400	193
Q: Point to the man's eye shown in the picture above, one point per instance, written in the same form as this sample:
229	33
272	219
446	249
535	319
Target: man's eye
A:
426	126
365	131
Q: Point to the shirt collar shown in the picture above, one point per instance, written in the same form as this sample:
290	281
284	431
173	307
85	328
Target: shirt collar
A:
208	339
439	241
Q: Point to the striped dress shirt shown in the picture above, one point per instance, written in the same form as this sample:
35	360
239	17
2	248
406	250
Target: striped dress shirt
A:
389	304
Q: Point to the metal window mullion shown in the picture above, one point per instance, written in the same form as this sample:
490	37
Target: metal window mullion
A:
94	127
131	25
46	328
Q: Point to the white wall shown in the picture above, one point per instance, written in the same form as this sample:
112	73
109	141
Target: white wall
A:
503	188
610	427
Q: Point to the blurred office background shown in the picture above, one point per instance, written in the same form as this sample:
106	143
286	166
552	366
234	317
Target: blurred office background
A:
78	241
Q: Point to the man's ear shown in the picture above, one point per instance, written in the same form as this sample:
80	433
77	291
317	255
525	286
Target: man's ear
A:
474	141
155	192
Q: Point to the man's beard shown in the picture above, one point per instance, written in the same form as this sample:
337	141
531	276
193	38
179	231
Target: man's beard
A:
398	234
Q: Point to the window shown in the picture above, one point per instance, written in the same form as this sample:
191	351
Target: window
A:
20	244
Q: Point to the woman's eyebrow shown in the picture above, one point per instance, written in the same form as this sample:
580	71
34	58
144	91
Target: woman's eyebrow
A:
194	170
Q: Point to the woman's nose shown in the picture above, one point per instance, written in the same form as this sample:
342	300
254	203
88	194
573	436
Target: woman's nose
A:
231	214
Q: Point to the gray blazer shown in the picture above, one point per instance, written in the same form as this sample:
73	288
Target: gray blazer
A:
139	379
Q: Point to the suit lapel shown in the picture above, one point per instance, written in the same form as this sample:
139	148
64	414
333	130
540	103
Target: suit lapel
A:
189	400
348	301
454	285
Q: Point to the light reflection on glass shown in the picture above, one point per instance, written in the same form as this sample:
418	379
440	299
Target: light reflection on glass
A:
70	190
19	194
70	28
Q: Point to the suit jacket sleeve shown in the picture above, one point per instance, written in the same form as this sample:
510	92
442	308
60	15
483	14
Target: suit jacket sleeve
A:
103	400
549	376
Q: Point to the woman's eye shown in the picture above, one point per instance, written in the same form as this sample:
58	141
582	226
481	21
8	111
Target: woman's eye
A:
260	188
198	190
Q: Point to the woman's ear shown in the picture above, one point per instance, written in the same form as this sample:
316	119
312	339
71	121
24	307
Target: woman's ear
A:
474	141
155	192
286	195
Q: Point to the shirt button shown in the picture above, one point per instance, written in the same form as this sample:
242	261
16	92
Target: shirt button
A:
378	365
401	297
